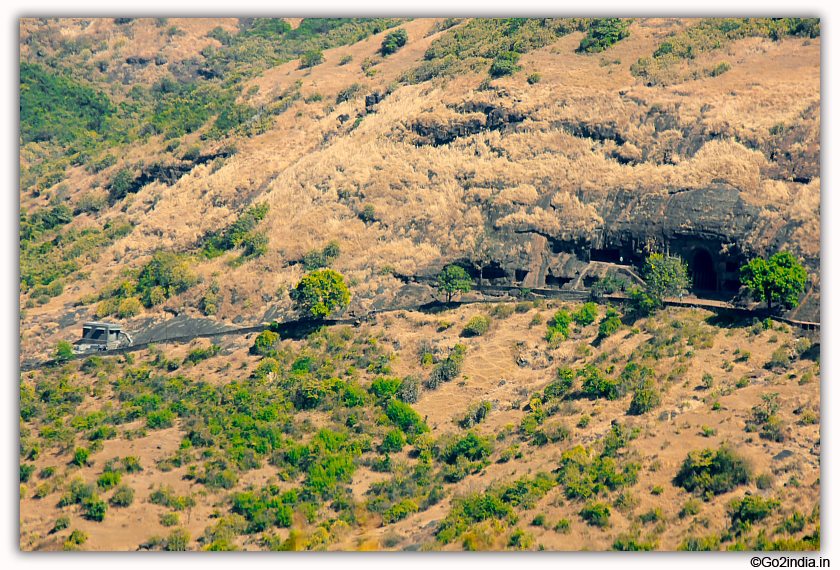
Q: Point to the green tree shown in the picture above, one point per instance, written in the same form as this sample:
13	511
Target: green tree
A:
779	279
394	41
121	185
320	292
665	276
505	64
311	58
454	280
604	32
63	350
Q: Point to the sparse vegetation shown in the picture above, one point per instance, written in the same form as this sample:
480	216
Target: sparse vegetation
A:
149	153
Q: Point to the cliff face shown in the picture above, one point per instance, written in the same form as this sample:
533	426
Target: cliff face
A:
711	228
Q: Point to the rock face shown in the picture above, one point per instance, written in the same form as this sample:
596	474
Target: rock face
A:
710	228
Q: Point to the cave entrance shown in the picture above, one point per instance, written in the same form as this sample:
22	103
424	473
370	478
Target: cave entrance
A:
494	272
491	271
607	255
705	276
552	281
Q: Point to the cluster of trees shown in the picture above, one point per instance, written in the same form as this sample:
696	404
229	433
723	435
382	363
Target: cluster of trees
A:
779	280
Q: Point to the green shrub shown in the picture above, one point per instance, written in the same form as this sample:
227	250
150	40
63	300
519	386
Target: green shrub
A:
511	452
43	490
120	185
505	64
399	511
794	524
653	515
626	501
123	496
780	359
448	369
563	526
472	447
76	538
394	441
720	69
131	464
265	343
95	508
78	492
551	433
475	414
405	418
109	480
26	471
750	509
177	540
596	514
61	523
802	345
46	472
394	41
196	355
160	419
561	387
170	519
628	543
534	78
477	326
604	32
645	398
558	328
586	315
311	58
520	540
596	384
385	388
610	324
128	308
345	59
409	391
81	456
538	520
698	544
504	310
63	350
319	293
690	508
713	472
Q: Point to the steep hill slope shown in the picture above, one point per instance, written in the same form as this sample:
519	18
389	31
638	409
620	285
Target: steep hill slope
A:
184	174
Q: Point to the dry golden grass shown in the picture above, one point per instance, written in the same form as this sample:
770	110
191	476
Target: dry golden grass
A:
318	174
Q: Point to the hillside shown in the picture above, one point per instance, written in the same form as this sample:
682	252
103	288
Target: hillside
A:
180	177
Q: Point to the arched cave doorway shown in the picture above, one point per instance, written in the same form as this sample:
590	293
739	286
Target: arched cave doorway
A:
705	276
